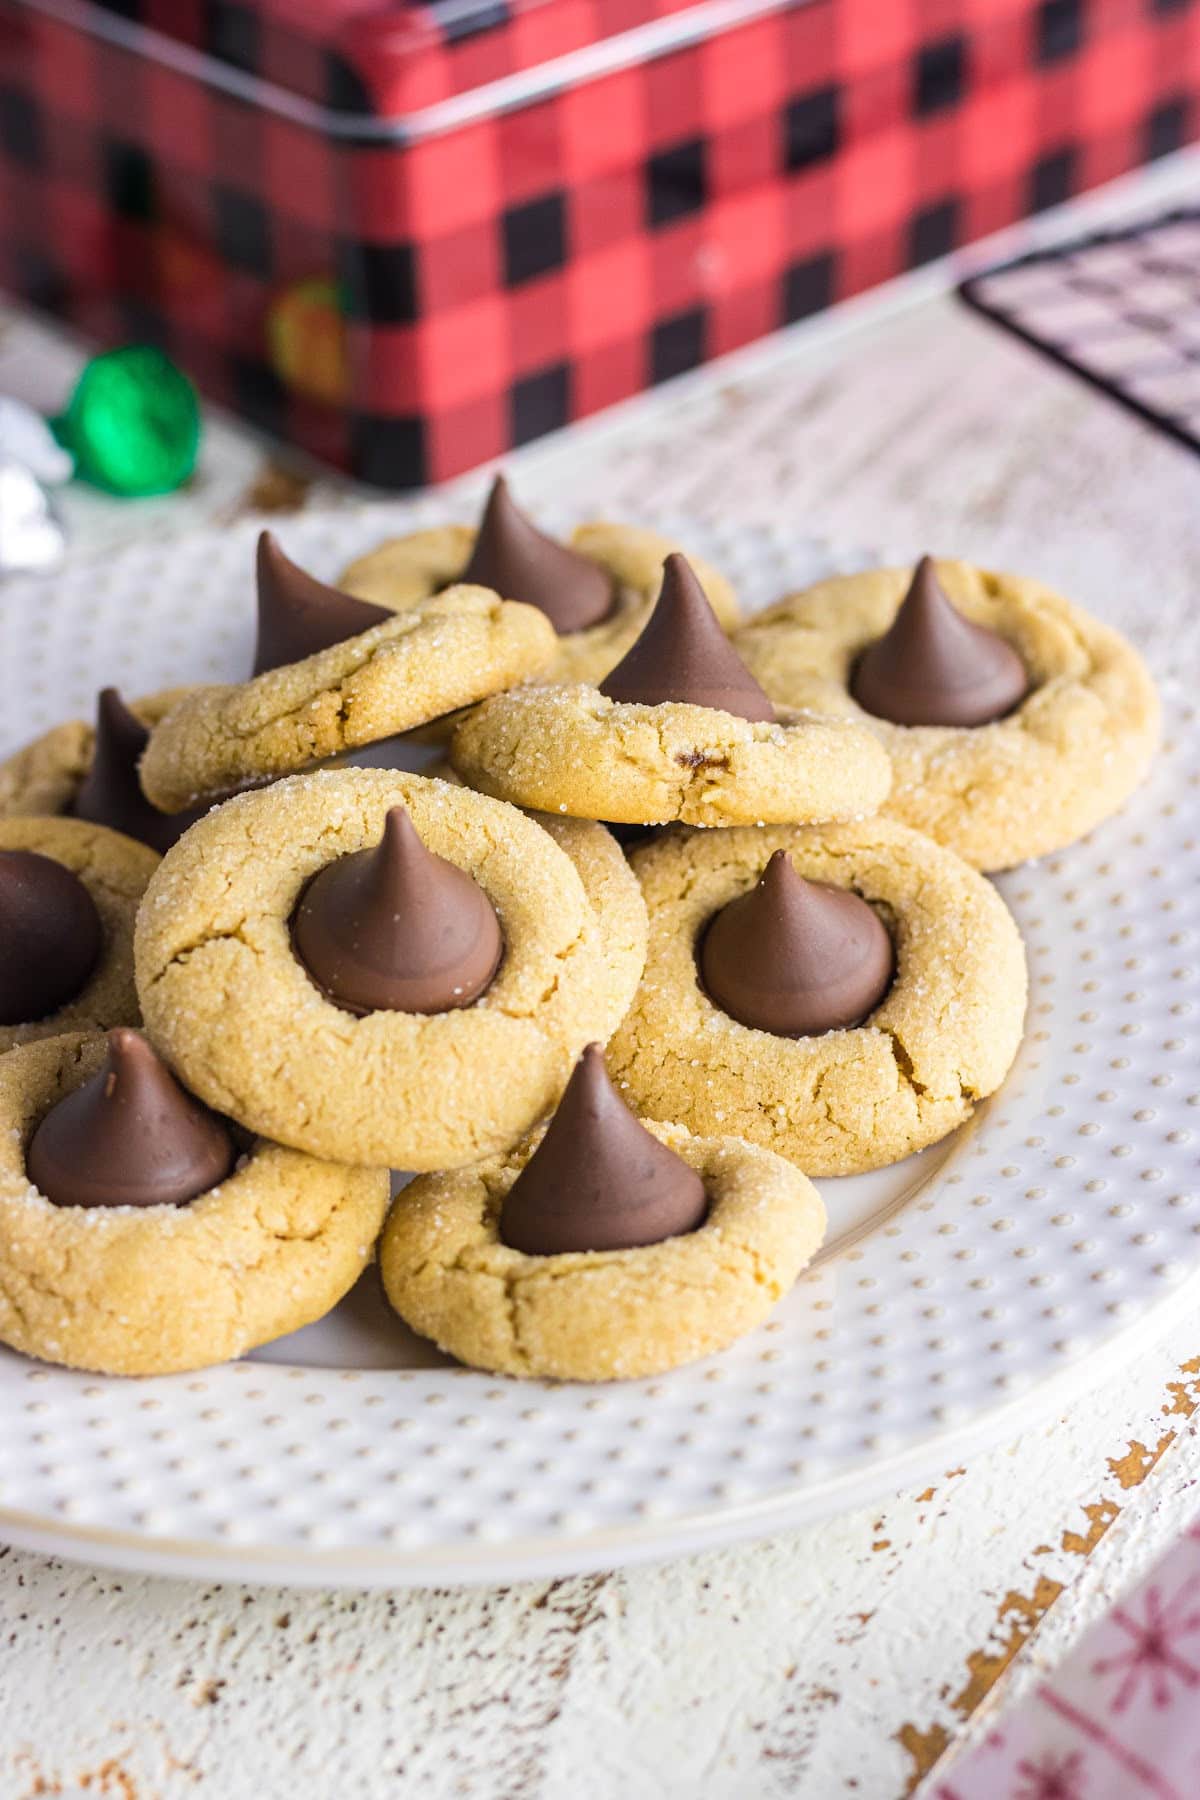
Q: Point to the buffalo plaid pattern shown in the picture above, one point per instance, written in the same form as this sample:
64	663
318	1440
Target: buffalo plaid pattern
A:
512	273
359	56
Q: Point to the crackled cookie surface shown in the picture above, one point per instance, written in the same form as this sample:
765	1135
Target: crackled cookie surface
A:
678	730
44	776
113	871
444	653
572	750
599	1315
1069	754
147	1290
406	570
943	1036
227	999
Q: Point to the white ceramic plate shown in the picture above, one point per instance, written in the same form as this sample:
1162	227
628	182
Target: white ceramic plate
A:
960	1295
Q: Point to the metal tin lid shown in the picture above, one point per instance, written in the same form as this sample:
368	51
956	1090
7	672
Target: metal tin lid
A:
357	69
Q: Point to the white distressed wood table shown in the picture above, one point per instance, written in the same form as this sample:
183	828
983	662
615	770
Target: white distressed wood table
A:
845	1659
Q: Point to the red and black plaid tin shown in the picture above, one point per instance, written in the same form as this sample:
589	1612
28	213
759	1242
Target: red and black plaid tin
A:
413	237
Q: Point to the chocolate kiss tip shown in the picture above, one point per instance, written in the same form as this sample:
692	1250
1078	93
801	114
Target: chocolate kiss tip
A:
397	929
599	1180
298	615
519	562
937	667
50	936
683	655
131	1136
796	957
110	793
112	776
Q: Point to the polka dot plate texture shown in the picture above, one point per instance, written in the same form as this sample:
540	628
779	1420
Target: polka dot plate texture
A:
960	1295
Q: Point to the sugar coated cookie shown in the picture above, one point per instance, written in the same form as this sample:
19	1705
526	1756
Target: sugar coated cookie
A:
599	1249
267	932
69	892
937	1037
678	730
126	1285
1058	750
444	653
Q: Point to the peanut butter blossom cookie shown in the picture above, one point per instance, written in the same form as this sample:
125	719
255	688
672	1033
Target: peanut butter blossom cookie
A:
135	1240
376	967
334	674
598	591
1014	721
678	730
69	892
91	772
841	995
599	1248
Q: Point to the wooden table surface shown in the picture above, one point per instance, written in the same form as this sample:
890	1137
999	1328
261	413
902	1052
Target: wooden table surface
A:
849	1658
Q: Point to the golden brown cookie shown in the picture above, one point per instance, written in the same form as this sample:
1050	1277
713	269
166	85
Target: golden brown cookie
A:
943	1038
441	654
43	777
603	1315
229	1004
571	750
406	570
114	870
1069	755
149	1290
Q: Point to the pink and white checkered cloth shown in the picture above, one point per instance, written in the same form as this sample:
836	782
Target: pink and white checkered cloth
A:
1121	1718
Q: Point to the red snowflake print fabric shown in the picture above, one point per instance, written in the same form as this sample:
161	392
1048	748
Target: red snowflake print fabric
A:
1121	1718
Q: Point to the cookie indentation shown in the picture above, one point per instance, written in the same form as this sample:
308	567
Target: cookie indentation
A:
854	1097
599	1315
236	1012
153	1289
1056	764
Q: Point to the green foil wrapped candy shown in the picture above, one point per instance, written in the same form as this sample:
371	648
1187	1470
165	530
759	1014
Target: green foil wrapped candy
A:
133	422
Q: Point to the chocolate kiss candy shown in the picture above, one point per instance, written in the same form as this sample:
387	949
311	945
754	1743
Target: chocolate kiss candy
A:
50	936
598	1180
683	654
131	1136
796	957
935	667
298	616
110	793
518	562
397	929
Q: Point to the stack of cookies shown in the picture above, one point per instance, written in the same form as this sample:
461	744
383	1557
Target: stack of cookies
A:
695	910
